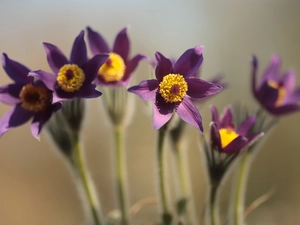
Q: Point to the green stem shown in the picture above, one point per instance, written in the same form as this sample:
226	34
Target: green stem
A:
239	194
81	167
214	214
166	217
119	154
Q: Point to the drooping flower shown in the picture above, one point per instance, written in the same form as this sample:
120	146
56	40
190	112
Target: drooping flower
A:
276	92
118	67
174	87
30	99
228	139
72	78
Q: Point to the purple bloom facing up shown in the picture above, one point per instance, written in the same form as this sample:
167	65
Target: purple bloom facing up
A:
225	137
174	87
276	92
118	68
74	78
30	98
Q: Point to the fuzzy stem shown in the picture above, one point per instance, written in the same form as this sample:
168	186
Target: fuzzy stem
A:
166	216
120	178
213	209
239	194
81	168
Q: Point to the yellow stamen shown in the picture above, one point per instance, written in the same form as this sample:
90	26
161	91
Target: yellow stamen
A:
227	136
70	77
173	88
35	98
113	69
281	92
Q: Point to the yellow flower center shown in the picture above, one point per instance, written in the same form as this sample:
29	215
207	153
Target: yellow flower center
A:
173	87
281	92
70	78
35	98
113	69
227	135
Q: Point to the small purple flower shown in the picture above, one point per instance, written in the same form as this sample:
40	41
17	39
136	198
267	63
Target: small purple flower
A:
276	92
118	67
30	98
174	87
225	137
74	78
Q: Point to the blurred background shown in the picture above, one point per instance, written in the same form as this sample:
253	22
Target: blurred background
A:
36	187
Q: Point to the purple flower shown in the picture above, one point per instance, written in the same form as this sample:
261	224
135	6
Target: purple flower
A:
30	98
73	78
118	68
225	137
276	92
174	87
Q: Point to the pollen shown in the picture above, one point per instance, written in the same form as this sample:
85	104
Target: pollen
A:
281	92
227	136
173	88
35	99
113	69
70	78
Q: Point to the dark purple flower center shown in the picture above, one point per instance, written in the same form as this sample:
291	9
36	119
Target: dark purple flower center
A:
175	89
69	74
35	98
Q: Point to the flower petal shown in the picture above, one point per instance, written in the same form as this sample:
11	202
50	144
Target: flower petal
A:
227	118
146	90
254	64
131	66
198	88
56	59
267	95
79	52
122	44
13	118
88	91
92	66
15	70
215	136
236	145
164	66
288	80
9	94
41	118
215	115
97	42
49	79
188	112
245	127
189	62
283	110
272	72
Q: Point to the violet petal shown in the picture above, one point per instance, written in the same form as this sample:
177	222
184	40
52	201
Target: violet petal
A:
272	72
56	59
283	110
215	136
188	112
146	90
131	66
15	70
227	118
92	67
122	44
160	119
198	88
215	115
236	145
49	79
88	91
164	66
267	95
9	94
245	127
189	62
79	52
288	80
97	42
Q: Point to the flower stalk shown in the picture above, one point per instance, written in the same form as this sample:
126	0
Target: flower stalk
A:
80	167
213	204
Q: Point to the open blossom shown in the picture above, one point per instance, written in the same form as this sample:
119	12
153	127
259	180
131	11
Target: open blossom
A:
72	78
118	67
174	87
276	92
29	98
228	139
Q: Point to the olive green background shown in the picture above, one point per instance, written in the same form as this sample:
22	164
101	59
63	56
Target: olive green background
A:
36	187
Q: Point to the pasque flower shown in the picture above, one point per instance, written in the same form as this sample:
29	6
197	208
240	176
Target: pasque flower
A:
276	92
118	67
228	139
30	99
174	87
72	78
